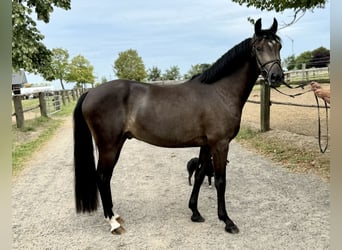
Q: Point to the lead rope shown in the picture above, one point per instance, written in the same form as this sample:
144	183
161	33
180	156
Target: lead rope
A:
318	110
319	125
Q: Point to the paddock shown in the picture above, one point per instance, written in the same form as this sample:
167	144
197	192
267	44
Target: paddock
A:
275	209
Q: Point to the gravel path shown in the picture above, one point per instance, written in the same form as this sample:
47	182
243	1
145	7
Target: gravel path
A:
274	209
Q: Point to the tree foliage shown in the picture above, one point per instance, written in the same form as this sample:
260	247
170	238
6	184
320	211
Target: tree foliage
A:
281	5
28	50
298	7
289	62
59	66
154	74
172	73
196	69
80	71
317	58
304	58
129	65
320	57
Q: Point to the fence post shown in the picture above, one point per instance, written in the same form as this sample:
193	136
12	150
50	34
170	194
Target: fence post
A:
62	93
18	109
265	104
77	93
56	101
42	104
67	95
73	94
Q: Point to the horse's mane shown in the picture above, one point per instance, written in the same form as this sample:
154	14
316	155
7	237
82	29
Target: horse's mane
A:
228	63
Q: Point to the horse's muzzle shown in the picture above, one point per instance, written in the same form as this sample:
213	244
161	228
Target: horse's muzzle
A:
275	79
275	76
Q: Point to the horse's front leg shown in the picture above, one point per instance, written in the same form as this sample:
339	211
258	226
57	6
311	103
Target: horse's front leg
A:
220	153
204	159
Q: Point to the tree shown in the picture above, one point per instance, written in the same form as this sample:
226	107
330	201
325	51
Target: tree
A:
129	65
103	79
196	69
154	74
172	73
59	66
289	62
304	58
299	7
320	57
80	71
28	50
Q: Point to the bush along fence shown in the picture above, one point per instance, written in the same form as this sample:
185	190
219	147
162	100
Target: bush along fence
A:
49	102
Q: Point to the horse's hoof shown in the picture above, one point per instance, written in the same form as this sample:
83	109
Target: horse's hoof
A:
233	229
120	220
197	218
118	231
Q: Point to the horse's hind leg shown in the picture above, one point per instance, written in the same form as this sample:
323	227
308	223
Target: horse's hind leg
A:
108	157
204	159
220	153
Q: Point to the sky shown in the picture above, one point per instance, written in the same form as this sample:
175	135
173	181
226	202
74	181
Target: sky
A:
170	33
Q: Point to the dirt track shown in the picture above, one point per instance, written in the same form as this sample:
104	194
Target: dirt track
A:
273	208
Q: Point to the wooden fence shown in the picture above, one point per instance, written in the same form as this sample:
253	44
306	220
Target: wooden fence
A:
49	103
266	102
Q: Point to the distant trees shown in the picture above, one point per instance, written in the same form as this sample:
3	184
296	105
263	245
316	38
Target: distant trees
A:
59	67
80	71
129	65
320	57
317	58
154	74
172	73
196	69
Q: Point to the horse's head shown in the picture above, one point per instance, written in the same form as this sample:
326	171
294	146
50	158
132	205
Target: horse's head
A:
266	48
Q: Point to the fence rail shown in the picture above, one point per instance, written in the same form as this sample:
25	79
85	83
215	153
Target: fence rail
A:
290	104
50	102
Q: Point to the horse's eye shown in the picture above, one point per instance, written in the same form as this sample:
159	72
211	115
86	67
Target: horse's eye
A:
258	48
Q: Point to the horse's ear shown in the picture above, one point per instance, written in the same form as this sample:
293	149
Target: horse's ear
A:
257	26
274	27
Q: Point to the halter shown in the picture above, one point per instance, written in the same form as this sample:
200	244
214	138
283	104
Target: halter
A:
262	66
264	71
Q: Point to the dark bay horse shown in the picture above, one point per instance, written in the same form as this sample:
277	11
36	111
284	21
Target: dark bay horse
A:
203	112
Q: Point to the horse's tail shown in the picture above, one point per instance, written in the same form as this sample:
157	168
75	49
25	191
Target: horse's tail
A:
84	162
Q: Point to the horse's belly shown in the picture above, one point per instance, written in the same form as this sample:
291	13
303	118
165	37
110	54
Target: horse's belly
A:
164	137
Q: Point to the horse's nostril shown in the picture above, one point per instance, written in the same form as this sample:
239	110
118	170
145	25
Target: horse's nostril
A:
276	77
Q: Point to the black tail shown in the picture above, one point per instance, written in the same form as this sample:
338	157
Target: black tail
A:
84	162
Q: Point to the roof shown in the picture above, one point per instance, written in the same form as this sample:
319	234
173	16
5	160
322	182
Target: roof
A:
19	77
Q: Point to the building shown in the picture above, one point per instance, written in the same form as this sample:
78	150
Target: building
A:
18	81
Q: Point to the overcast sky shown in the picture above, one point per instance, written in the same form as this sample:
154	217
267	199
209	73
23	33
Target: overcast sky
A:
165	34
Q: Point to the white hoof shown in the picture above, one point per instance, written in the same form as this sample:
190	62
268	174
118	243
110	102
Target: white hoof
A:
113	224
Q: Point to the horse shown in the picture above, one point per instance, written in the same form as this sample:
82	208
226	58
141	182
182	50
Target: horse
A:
203	112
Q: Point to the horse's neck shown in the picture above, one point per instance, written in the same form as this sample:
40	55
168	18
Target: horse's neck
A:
239	85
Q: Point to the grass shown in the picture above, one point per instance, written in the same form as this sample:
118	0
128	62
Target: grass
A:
36	132
297	159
